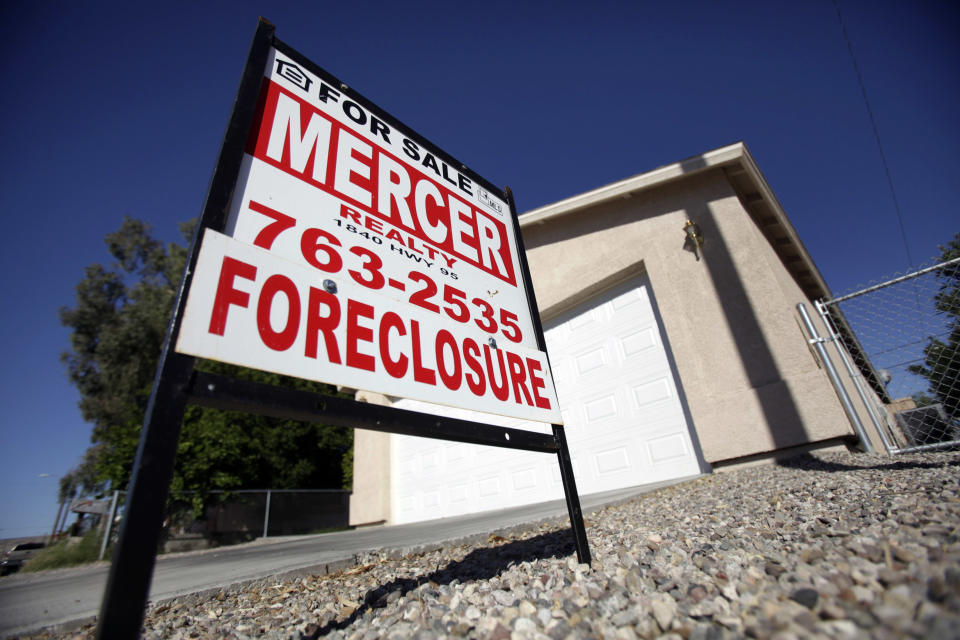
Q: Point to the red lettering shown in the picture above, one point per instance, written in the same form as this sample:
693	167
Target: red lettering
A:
471	354
537	383
283	339
298	137
396	368
373	224
518	375
353	171
451	379
501	391
356	333
349	213
420	373
227	295
412	243
317	323
281	222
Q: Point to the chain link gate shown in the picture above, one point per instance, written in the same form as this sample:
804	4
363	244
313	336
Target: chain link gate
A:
900	343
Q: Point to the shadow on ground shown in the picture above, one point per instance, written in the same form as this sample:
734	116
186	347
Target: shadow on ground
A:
479	564
808	462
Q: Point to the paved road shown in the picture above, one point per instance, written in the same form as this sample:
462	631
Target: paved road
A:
31	601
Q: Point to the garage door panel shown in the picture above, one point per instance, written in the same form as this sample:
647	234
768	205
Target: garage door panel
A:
564	381
457	455
658	426
430	461
607	442
490	485
431	500
555	341
496	458
635	296
583	320
604	408
638	343
667	449
524	479
591	359
615	459
650	394
623	418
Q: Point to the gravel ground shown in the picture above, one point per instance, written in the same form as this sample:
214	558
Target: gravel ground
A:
831	545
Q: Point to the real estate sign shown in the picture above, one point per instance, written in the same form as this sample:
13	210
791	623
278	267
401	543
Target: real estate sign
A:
337	245
354	253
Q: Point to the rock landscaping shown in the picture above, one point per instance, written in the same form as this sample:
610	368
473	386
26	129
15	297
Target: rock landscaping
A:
828	545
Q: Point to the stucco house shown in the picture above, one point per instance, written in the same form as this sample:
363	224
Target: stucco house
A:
670	358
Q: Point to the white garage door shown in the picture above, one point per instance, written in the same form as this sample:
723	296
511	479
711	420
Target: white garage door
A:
623	417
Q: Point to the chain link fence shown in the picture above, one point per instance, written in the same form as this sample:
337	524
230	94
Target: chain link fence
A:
230	517
900	341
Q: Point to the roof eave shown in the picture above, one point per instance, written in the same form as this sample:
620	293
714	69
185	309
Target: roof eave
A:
658	177
735	159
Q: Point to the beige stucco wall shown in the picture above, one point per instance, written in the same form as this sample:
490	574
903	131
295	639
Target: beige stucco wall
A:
370	500
749	378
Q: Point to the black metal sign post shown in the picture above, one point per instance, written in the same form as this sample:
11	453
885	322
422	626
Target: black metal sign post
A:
563	453
176	383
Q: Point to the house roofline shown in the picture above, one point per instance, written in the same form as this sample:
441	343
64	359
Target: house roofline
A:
751	187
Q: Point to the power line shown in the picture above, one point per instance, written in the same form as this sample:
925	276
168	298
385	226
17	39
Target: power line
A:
876	131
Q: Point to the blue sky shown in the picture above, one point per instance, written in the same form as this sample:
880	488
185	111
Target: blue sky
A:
119	109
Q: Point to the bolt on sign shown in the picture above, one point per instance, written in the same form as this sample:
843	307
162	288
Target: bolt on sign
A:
337	245
355	253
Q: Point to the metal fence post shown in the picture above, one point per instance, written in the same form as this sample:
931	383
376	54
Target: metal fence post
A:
266	515
108	528
817	343
56	522
855	375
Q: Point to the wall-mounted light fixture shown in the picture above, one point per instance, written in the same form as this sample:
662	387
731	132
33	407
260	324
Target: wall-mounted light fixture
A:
692	230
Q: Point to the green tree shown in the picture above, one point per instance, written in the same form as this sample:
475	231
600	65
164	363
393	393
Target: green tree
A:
118	325
84	478
941	359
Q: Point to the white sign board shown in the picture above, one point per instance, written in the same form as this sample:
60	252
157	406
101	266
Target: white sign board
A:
355	255
86	505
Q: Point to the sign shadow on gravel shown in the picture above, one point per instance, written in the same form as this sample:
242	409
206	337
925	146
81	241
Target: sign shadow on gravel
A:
479	564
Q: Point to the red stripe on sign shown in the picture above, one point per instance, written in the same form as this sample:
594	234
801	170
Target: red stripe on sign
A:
295	137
